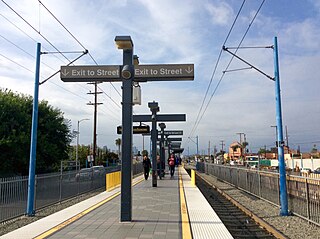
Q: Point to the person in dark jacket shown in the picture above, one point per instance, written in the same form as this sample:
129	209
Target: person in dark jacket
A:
171	163
146	166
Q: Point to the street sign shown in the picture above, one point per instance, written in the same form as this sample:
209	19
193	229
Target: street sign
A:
173	132
175	145
171	139
160	117
90	73
164	72
108	73
141	129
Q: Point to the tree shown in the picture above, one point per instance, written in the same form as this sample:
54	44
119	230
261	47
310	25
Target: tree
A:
144	153
118	143
53	136
314	149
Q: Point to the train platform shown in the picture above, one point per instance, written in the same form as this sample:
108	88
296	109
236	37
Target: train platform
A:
174	209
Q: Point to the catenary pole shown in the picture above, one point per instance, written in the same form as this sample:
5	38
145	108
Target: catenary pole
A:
33	146
280	142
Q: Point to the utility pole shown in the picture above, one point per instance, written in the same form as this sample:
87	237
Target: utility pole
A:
287	139
209	149
222	144
240	134
95	104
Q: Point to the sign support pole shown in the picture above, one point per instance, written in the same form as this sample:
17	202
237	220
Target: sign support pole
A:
126	166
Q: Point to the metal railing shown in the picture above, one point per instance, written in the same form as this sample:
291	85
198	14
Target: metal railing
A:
303	192
49	189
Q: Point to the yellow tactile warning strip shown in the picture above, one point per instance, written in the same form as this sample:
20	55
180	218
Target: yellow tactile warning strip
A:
81	214
186	231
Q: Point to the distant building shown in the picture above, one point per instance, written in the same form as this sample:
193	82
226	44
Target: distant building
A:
235	151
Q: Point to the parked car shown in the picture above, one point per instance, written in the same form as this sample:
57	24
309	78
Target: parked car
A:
305	170
98	171
317	170
84	174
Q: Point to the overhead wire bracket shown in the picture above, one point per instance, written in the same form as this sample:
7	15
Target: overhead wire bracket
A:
71	62
252	66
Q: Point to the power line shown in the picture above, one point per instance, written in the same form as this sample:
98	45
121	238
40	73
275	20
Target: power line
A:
34	29
27	69
16	63
222	76
62	25
216	65
110	97
22	31
43	37
24	51
75	39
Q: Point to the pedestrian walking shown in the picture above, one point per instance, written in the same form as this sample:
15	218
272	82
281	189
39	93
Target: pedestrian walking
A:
146	166
171	163
159	167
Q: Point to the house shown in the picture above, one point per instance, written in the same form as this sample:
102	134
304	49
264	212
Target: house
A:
235	151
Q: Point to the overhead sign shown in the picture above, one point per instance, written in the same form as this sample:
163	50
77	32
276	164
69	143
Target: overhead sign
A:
164	72
175	144
141	129
110	73
90	73
173	132
171	139
160	117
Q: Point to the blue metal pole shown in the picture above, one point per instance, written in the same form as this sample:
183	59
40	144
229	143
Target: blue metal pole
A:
33	146
280	143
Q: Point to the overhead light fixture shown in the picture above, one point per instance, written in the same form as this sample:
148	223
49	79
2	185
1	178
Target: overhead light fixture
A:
123	42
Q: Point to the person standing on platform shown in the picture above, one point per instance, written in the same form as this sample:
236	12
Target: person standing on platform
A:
159	167
146	166
171	163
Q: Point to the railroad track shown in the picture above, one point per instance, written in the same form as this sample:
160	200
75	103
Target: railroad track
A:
237	222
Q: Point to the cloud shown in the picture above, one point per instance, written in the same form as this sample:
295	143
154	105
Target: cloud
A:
220	12
164	32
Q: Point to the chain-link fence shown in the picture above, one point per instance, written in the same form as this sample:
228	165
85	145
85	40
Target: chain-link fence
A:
51	188
303	192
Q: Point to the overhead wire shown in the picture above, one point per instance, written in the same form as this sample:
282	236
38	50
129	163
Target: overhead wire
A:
22	31
228	65
27	69
215	67
22	18
75	40
58	51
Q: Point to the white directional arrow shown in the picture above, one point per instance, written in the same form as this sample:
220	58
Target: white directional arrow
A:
189	70
65	72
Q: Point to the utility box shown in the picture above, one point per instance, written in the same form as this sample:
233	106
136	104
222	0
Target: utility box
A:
136	95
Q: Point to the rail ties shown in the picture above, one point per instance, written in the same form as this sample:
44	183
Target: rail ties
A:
238	223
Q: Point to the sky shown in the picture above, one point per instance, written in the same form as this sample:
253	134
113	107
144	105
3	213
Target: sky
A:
174	32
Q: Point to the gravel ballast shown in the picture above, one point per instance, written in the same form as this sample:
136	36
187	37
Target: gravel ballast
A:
292	226
24	220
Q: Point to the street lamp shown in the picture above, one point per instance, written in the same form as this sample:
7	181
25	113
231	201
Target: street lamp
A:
127	76
78	132
154	108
